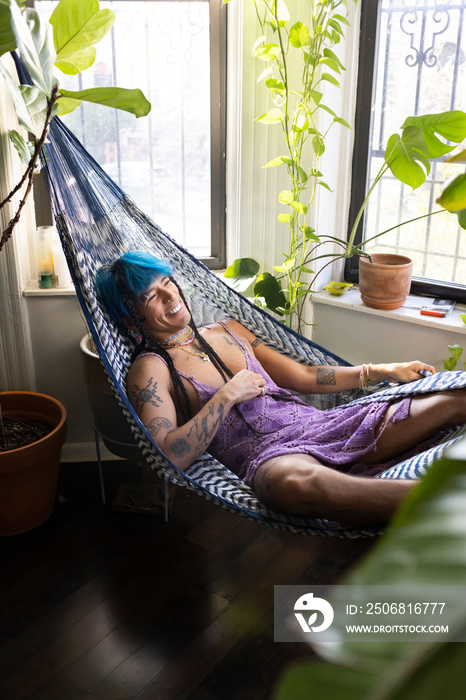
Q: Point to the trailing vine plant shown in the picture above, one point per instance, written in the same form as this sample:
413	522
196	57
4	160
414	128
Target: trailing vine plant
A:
299	60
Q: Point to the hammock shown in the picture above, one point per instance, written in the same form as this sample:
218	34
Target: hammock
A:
97	222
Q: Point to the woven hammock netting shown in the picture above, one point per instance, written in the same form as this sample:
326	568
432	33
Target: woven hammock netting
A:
97	222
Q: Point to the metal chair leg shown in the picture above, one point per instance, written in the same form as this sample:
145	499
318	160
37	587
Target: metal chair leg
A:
165	498
99	466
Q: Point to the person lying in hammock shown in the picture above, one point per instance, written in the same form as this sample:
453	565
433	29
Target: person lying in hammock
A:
219	388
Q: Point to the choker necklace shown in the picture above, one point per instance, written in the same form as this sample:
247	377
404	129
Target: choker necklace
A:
182	338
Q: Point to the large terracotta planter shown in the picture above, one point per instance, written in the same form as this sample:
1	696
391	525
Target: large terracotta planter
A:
385	283
29	475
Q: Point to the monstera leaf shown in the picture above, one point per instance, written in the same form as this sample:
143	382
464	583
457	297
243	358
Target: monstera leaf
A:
408	155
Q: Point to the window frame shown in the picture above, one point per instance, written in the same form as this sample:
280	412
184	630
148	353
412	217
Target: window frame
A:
218	117
362	129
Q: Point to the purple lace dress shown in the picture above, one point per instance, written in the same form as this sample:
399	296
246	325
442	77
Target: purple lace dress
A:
266	427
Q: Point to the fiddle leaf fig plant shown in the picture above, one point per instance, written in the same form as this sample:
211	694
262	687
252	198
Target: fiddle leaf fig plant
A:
65	42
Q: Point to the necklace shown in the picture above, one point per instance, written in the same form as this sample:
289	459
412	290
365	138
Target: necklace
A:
201	354
183	337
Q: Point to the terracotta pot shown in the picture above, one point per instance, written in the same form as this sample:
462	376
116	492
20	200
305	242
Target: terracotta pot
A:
29	475
385	283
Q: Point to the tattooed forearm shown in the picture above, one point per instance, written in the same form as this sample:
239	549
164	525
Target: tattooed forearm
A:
326	375
200	433
156	424
141	395
180	447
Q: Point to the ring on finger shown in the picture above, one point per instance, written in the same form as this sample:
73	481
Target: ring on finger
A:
263	391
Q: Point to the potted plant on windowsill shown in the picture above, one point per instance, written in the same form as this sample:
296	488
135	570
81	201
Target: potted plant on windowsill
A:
29	472
408	155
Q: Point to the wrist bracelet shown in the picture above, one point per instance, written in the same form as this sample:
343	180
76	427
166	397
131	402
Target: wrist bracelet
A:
364	380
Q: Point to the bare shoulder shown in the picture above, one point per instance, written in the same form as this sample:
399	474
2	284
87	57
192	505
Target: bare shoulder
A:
148	365
239	330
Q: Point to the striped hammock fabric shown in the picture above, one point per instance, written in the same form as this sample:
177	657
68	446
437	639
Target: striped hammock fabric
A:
98	222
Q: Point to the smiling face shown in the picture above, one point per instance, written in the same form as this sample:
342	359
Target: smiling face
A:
162	310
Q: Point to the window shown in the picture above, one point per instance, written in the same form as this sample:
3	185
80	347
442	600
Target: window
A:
412	61
172	163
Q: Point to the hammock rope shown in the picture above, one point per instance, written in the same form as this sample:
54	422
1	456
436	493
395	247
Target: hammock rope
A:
97	222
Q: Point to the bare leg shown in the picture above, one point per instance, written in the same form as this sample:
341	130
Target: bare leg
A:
299	484
428	415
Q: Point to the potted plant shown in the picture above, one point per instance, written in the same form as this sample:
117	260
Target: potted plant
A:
29	470
298	111
298	58
28	473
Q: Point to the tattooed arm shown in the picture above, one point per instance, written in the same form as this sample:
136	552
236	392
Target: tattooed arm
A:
306	379
149	390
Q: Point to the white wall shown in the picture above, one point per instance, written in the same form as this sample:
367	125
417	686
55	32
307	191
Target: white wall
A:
362	336
57	327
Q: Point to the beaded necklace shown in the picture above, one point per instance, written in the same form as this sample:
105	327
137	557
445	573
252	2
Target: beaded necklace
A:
182	338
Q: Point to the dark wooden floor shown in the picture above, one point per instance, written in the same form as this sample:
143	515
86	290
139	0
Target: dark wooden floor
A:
110	606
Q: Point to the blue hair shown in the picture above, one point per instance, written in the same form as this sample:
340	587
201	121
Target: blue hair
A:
125	279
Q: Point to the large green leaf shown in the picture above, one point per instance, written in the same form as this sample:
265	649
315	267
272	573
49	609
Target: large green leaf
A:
67	105
36	104
43	42
404	154
304	681
132	101
21	146
450	125
7	38
426	544
31	41
242	273
453	197
269	287
299	35
242	267
22	113
77	26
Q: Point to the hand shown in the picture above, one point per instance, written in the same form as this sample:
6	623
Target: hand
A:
402	372
243	386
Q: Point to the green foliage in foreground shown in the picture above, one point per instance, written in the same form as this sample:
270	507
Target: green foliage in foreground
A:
426	544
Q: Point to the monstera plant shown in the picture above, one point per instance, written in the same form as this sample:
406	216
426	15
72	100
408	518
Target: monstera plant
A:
299	60
65	43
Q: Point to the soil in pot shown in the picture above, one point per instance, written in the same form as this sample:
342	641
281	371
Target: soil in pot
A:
18	433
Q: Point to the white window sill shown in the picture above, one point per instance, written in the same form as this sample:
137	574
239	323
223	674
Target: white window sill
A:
33	290
352	300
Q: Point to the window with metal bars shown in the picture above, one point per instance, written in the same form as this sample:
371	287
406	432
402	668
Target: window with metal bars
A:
172	162
412	61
